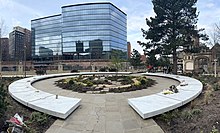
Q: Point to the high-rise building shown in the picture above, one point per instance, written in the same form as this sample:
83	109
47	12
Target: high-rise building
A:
4	49
82	31
20	44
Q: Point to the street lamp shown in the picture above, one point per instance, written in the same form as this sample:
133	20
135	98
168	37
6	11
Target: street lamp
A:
215	64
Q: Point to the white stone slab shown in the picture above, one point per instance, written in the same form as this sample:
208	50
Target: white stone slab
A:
61	107
183	95
26	94
159	103
152	105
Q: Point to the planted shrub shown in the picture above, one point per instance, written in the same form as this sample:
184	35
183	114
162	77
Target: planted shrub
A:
169	116
143	81
74	71
71	82
40	72
3	102
216	87
39	118
104	69
112	70
85	83
89	83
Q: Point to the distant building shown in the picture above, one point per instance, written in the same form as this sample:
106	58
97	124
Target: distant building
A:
216	53
19	41
129	50
89	31
4	49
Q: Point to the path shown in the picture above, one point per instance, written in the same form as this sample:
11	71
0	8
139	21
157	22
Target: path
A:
104	113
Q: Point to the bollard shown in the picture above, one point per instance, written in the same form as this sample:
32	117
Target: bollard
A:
56	96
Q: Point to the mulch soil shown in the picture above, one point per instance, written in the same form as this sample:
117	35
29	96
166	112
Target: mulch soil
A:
15	107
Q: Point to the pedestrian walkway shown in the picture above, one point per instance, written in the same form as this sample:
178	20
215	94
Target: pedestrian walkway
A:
104	113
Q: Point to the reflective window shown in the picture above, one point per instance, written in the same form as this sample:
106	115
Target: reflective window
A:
82	31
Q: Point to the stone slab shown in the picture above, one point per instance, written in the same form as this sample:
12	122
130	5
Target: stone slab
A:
148	106
61	107
152	105
26	94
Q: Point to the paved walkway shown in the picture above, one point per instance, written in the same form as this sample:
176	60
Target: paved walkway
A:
104	113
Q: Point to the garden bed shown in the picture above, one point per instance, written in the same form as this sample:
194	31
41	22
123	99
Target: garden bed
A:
200	116
36	122
105	84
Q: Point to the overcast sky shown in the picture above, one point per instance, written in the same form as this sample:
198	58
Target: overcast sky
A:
20	13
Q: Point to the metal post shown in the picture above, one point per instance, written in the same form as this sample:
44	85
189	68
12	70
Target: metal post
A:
215	60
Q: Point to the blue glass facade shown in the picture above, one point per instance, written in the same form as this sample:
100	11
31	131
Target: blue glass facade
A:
83	31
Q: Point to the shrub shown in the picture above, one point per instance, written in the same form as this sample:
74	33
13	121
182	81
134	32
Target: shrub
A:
112	70
216	87
169	116
214	130
190	113
143	81
89	83
39	118
104	69
207	96
40	72
71	82
3	102
74	71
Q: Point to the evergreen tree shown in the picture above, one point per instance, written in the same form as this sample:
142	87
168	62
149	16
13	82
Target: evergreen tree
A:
172	28
135	59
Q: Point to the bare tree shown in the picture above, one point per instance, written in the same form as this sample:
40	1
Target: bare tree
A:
215	35
2	33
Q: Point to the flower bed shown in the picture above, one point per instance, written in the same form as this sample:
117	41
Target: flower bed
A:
105	84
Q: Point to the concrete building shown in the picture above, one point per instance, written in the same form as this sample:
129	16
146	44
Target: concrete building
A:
4	49
82	32
19	44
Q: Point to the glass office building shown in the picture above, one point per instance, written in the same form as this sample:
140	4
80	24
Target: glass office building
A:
82	31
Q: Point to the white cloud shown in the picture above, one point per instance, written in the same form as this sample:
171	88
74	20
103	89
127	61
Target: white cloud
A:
210	5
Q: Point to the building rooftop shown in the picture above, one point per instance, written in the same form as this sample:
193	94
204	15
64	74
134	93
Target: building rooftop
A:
92	4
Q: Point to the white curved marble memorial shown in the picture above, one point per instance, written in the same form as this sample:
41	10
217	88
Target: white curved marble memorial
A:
152	105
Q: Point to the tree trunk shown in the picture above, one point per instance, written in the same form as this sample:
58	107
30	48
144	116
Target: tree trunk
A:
174	61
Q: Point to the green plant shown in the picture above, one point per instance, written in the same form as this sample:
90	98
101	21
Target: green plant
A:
89	83
190	113
71	82
3	102
39	118
216	87
143	81
169	116
207	96
214	130
196	111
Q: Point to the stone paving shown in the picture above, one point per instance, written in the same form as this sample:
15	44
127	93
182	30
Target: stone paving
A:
104	113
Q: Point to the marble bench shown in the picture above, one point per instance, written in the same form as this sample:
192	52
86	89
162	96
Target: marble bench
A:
152	105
